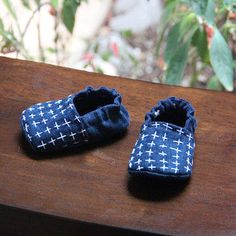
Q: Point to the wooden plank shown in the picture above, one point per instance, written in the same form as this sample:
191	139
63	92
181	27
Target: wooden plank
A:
92	185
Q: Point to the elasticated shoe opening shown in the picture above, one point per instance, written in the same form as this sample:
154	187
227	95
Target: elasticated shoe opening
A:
174	115
92	100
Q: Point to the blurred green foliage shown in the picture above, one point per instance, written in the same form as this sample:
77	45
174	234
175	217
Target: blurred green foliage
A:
191	32
14	41
198	31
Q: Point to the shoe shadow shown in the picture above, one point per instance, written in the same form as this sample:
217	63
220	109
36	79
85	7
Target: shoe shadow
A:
155	188
66	152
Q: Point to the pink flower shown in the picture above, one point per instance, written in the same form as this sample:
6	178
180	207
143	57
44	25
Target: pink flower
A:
88	57
115	49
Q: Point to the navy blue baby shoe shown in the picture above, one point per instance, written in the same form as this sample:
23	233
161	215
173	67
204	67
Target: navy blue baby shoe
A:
85	117
166	144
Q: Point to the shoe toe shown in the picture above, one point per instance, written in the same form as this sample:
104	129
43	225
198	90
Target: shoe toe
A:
163	149
52	125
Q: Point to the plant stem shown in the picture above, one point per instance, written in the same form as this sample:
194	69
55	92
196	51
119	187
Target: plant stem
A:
42	57
20	45
56	39
32	16
194	73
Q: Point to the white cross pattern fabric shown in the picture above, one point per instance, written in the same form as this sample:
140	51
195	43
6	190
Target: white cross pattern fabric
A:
89	116
169	153
165	148
53	125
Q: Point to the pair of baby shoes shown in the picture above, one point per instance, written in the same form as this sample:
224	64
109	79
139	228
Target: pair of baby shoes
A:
165	146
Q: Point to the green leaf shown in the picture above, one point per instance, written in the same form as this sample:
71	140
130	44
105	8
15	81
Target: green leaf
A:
51	50
221	60
1	25
168	2
172	41
180	32
126	34
68	13
214	84
166	17
133	59
10	9
99	70
229	2
204	8
199	6
26	4
8	36
199	40
54	3
210	12
175	70
37	2
106	56
167	14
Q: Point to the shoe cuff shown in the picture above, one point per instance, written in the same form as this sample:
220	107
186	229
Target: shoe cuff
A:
174	103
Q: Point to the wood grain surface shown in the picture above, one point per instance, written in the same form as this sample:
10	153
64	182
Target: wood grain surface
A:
88	191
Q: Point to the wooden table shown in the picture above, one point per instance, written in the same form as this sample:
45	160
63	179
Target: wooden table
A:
89	192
